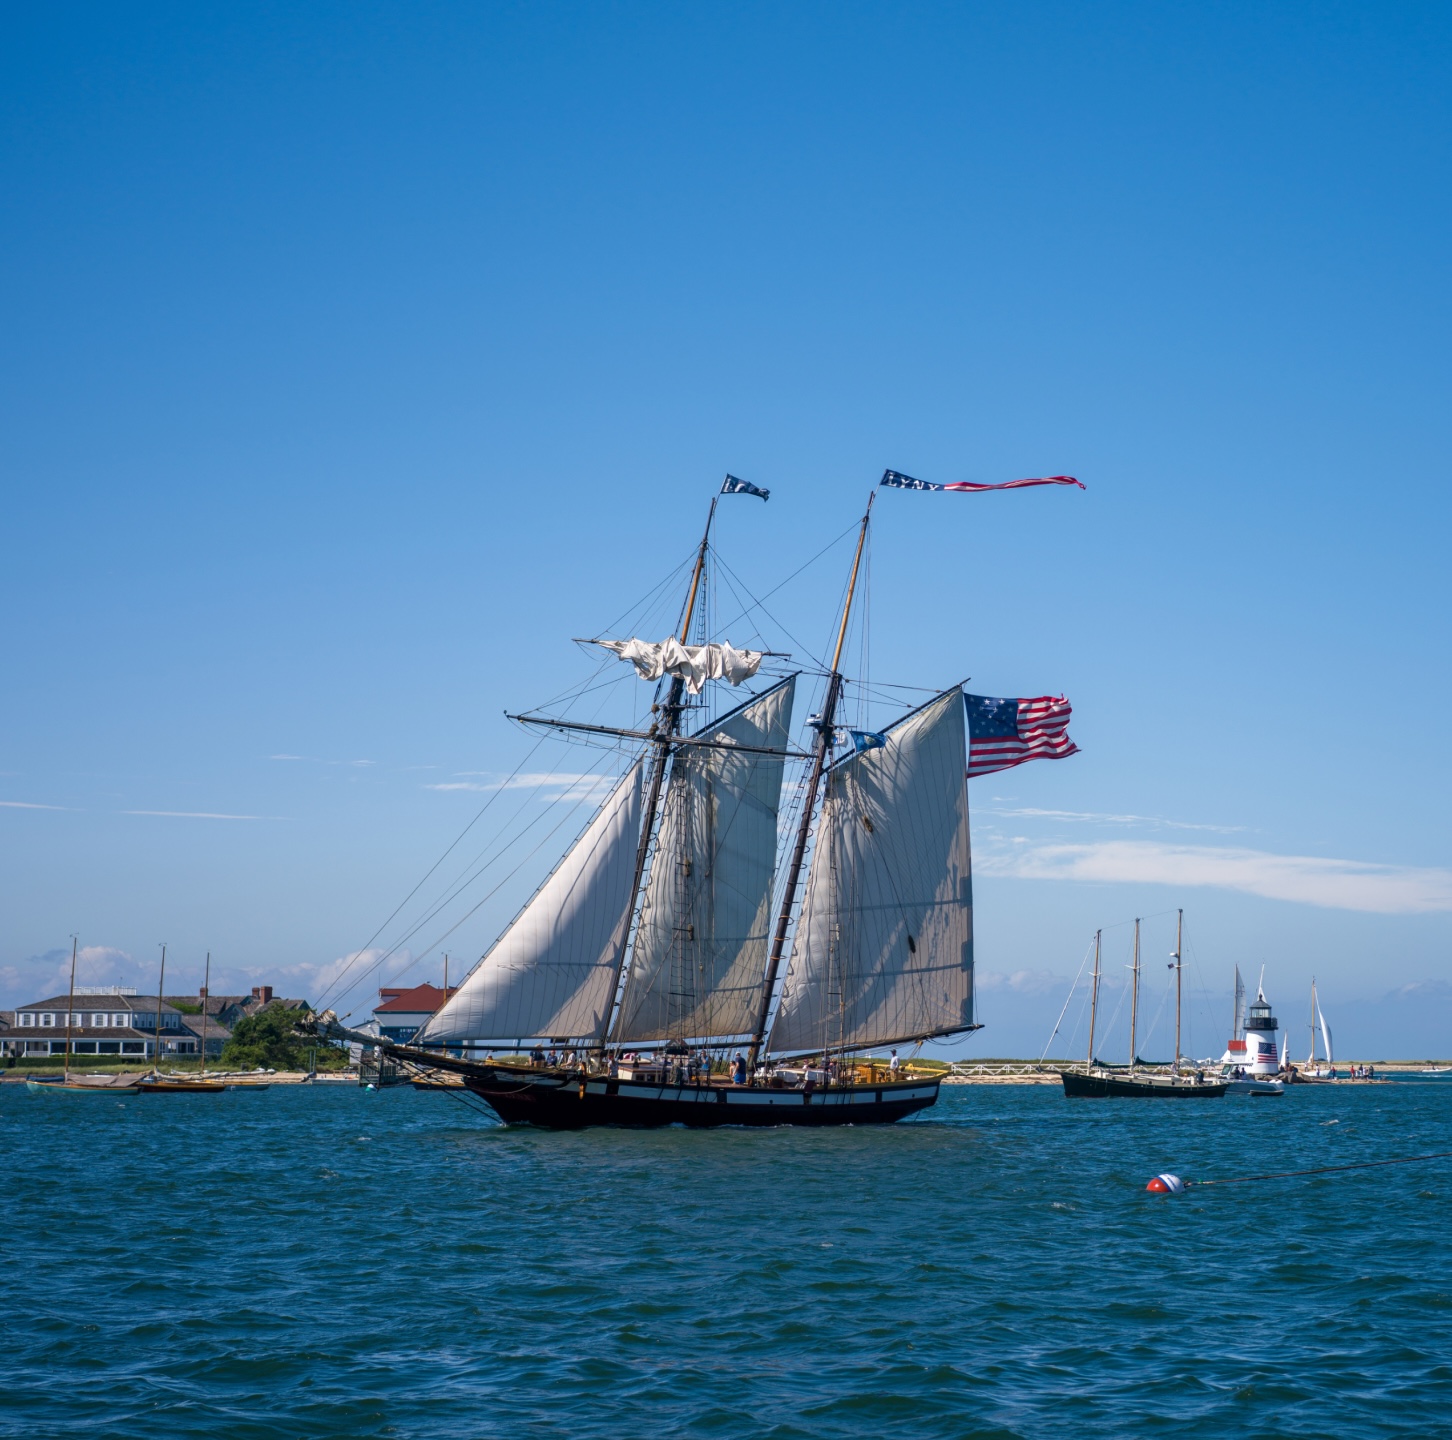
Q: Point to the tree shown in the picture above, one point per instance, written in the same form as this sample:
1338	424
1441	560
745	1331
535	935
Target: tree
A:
269	1039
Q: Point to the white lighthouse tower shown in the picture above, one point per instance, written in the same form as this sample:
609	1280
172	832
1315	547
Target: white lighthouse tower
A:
1256	1054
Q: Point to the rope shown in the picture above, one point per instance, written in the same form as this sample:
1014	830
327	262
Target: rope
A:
1327	1169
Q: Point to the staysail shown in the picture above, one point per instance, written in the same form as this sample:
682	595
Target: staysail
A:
552	972
884	947
1325	1034
700	947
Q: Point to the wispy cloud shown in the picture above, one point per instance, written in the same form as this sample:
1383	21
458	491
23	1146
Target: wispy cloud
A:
1097	817
558	785
29	805
1302	879
199	815
1018	982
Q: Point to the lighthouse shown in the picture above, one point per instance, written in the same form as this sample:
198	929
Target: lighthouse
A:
1257	1053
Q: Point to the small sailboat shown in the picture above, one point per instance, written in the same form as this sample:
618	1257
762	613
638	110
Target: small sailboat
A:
65	1085
158	1084
1102	1082
1314	1069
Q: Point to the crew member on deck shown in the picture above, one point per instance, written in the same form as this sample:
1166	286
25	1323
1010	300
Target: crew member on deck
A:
895	1065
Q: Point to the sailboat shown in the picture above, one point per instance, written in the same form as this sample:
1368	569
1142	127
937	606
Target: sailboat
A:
653	951
1318	1019
1101	1082
158	1084
65	1085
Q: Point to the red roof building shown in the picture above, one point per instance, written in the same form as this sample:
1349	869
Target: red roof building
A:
401	1012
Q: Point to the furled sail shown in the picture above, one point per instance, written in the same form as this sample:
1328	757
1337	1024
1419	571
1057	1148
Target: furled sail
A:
884	947
695	664
700	947
552	972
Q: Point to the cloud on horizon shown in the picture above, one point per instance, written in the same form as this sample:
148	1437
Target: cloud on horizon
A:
1301	879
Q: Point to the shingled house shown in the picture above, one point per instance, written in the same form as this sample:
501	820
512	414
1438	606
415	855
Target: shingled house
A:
104	1020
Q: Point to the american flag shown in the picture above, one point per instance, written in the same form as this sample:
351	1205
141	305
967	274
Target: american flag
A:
1004	733
899	481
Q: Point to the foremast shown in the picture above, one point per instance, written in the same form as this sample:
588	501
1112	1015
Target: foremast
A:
820	758
663	731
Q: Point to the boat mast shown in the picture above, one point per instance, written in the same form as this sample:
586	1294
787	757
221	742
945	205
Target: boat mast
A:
206	989
1179	965
160	986
662	732
1310	1064
804	829
1134	1003
70	1006
1093	1000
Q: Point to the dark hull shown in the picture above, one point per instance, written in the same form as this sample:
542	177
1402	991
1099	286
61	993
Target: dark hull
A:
560	1102
1115	1087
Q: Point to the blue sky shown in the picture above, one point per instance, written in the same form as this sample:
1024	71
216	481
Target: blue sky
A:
357	357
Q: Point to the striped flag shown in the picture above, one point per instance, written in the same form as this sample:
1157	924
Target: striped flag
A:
899	481
1004	733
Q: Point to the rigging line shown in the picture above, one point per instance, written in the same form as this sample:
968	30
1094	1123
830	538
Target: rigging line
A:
651	594
1065	1010
357	954
433	945
851	529
730	576
448	899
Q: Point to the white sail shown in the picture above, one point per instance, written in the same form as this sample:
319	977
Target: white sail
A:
884	946
1238	1032
1325	1034
695	664
552	972
700	947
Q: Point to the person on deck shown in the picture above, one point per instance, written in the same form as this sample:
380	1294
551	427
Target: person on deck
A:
895	1065
738	1069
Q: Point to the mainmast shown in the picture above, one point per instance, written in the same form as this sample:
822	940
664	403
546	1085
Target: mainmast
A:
70	1008
1134	1004
822	751
1094	998
1179	966
662	732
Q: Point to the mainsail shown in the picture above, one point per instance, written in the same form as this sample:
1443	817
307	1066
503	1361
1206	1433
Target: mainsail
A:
552	972
884	947
700	947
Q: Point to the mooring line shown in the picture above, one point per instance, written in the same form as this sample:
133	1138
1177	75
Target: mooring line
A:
1326	1169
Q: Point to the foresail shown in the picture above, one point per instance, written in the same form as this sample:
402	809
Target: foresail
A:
884	946
700	947
552	972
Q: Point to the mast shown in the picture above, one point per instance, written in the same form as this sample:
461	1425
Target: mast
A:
206	995
1179	965
70	1007
804	829
1312	1061
160	986
1134	1004
1093	1000
662	731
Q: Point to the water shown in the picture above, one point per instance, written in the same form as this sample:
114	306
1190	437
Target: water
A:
339	1263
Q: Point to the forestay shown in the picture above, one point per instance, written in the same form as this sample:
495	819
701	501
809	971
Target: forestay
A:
884	947
695	664
700	947
552	972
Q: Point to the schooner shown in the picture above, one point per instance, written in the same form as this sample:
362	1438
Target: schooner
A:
677	932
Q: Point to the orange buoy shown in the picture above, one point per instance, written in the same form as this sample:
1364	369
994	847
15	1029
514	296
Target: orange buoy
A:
1166	1185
